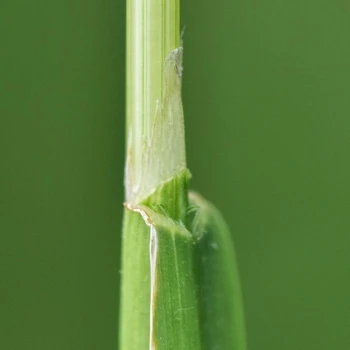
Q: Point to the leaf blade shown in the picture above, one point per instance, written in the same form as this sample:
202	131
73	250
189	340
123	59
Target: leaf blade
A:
219	291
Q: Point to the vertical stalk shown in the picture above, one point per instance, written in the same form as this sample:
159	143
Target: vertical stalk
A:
152	32
154	137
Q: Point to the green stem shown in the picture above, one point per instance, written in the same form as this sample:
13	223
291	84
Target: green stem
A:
152	32
158	292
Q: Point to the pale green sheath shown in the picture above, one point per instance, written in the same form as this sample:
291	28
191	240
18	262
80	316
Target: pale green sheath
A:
180	284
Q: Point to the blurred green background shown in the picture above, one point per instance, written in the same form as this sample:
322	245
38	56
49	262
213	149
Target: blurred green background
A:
266	97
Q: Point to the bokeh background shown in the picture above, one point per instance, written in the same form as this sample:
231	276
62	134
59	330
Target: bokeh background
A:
266	96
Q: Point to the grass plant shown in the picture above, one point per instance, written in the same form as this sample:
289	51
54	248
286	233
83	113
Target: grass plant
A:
180	284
